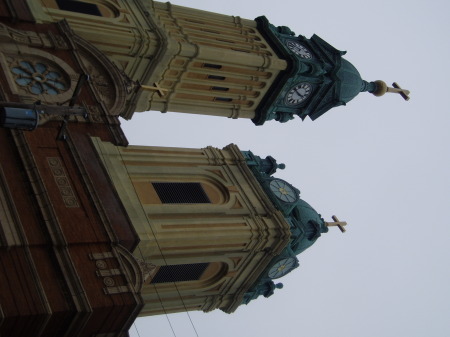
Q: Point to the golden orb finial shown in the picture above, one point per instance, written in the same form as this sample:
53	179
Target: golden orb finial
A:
382	88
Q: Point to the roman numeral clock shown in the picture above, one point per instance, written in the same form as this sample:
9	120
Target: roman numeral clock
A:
298	94
316	80
306	225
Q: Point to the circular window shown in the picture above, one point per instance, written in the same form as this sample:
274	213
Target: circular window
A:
39	78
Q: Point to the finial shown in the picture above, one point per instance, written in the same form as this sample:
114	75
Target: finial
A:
337	223
382	88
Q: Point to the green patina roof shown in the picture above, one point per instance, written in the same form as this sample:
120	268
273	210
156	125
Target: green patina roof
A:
334	80
350	82
306	224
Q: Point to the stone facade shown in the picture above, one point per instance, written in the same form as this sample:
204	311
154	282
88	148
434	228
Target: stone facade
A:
180	59
65	240
236	230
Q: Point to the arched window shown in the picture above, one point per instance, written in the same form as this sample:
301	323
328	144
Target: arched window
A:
88	7
79	7
203	272
181	193
180	273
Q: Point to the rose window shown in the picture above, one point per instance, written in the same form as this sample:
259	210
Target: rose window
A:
39	78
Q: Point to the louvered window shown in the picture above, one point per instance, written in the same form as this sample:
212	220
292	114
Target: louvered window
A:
181	193
220	88
223	99
210	65
180	273
78	7
215	77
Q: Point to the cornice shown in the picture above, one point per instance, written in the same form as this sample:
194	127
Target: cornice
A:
157	59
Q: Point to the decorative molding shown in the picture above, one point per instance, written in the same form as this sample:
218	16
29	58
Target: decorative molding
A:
116	290
95	198
109	85
107	272
30	38
101	264
215	156
149	270
130	268
109	281
104	272
63	182
138	100
95	115
100	256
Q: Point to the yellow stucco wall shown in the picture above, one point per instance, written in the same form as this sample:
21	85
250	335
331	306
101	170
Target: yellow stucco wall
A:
238	233
173	48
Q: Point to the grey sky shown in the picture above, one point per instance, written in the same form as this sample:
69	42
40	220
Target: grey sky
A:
381	164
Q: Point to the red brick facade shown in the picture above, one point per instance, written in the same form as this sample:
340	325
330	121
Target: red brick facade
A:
65	240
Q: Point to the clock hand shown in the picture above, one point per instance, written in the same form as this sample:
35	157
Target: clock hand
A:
300	94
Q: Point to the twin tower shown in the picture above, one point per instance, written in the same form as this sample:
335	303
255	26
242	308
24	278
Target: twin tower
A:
215	228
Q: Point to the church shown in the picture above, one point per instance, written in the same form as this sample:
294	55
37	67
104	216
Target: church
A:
95	232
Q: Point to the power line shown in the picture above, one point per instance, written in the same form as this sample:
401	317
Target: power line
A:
135	326
159	297
165	262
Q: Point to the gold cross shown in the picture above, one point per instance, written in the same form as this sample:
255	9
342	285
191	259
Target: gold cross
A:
339	224
156	88
397	90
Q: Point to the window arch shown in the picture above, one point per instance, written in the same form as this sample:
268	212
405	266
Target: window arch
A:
181	193
179	273
87	7
203	271
173	191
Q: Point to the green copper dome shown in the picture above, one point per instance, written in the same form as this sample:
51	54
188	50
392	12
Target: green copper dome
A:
350	82
306	225
316	80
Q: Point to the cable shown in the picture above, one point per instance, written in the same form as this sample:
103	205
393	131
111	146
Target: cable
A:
165	261
135	326
142	256
159	297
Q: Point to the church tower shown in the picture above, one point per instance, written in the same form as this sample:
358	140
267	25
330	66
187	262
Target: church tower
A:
187	60
215	227
94	232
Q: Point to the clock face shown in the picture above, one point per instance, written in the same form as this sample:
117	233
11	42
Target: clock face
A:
283	191
299	49
298	94
282	267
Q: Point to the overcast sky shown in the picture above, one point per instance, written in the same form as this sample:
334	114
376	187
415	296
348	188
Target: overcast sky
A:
381	164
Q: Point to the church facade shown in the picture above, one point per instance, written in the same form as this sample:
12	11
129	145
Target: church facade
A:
94	232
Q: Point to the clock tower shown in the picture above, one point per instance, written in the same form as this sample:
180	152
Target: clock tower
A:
179	59
215	227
